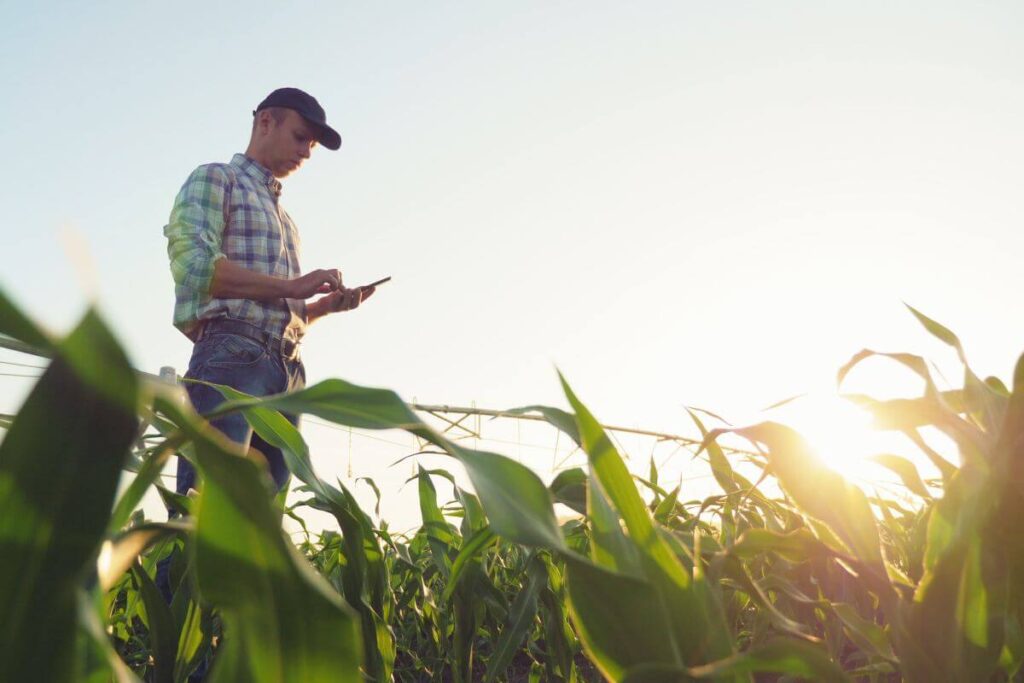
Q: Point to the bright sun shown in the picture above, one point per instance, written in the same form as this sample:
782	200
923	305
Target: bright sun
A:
841	434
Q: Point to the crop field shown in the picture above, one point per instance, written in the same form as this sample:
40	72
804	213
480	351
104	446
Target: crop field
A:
642	585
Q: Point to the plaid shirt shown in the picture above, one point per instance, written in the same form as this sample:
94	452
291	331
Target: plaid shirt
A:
232	211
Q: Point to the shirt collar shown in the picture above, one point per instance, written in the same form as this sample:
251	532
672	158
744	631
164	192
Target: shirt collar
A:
258	172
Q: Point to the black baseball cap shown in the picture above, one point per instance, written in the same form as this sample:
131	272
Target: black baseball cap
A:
308	108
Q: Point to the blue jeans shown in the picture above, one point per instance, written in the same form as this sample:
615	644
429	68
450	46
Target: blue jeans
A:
247	365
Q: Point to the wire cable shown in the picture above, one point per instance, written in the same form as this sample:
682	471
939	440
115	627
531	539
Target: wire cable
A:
23	365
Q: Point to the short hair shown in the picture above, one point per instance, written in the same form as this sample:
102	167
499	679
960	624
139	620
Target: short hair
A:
277	113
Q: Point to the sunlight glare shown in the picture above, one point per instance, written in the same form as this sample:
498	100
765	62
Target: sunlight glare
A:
840	433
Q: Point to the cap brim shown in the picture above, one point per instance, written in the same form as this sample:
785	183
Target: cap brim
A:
328	137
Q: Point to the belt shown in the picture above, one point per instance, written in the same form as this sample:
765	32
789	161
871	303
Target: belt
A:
286	348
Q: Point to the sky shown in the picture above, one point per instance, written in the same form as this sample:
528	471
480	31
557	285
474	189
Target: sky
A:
673	203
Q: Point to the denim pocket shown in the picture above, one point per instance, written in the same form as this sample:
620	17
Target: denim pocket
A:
232	351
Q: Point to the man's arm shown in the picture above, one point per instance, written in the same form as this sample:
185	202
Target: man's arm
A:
195	230
201	270
232	281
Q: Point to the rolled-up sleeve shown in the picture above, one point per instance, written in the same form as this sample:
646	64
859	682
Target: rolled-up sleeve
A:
196	229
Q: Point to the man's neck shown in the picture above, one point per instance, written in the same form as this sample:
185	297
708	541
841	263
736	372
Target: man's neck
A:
255	155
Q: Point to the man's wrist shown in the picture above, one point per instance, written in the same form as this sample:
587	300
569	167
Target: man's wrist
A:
317	309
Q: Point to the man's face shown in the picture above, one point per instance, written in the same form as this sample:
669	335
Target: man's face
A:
287	144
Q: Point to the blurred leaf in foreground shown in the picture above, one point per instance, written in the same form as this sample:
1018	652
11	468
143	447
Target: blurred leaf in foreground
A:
57	488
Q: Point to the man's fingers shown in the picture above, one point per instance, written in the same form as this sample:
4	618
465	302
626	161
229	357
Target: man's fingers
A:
328	280
320	281
348	299
345	299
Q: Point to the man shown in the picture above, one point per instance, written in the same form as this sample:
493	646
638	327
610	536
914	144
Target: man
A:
239	292
240	295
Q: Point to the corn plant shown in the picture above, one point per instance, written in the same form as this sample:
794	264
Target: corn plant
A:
821	582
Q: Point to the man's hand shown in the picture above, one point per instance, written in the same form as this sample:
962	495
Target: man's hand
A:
318	281
340	300
347	299
233	281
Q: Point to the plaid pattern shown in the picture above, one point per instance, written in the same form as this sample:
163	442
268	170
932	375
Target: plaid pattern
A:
232	211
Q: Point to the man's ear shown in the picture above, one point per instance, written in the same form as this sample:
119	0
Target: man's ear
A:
264	121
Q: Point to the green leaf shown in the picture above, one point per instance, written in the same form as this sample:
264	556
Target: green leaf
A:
276	430
610	547
939	331
163	637
656	673
194	632
520	618
556	417
116	670
941	409
17	325
819	491
954	627
364	578
796	546
57	487
784	655
698	621
735	570
906	471
569	488
366	582
869	636
439	535
720	467
984	400
620	620
470	550
473	517
787	588
284	622
517	503
667	506
150	471
339	401
558	633
945	468
1013	649
376	492
118	555
916	364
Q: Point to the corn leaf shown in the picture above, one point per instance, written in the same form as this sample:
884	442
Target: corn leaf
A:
57	487
162	632
520	618
906	471
785	656
621	620
517	503
284	622
698	623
